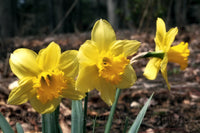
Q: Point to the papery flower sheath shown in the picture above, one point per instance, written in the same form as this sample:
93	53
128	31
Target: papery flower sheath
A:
44	78
103	62
176	54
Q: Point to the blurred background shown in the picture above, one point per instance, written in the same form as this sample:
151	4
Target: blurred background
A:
39	17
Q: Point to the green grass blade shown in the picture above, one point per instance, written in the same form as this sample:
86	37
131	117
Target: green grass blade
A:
112	111
94	125
125	125
136	125
77	117
4	125
50	122
19	128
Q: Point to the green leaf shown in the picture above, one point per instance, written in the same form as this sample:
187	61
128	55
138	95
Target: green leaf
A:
94	125
4	125
125	125
136	125
112	111
77	116
85	113
50	122
19	128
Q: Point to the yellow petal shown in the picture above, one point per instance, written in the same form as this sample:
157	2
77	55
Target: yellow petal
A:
160	34
48	107
128	47
107	91
21	94
179	54
69	63
48	58
152	68
71	93
87	78
103	34
128	78
164	74
163	70
23	63
88	53
170	36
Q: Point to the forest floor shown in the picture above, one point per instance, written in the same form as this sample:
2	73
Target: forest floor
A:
175	111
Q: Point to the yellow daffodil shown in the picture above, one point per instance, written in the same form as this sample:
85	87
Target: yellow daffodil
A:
176	54
44	78
103	62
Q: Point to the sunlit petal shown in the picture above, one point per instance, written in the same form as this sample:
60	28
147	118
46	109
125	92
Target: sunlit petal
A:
87	79
23	63
48	58
152	68
103	34
128	47
160	34
88	53
69	63
44	108
170	36
107	91
128	78
164	74
21	94
71	93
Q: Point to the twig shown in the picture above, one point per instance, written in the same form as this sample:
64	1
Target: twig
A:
6	65
66	15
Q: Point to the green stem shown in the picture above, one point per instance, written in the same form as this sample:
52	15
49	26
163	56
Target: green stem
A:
50	122
77	117
147	55
94	124
126	125
155	54
85	113
112	111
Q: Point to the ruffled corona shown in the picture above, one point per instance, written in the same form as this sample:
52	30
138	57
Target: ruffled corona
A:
111	68
49	85
179	54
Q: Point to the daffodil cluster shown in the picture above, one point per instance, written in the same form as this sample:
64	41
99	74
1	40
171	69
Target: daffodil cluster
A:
101	63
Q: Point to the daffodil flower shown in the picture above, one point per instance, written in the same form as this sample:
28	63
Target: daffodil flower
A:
176	54
103	62
44	78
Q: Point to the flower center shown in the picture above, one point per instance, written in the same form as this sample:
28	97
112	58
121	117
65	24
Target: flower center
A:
49	85
112	67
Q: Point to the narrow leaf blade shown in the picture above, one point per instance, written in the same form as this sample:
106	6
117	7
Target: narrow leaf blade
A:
136	125
77	116
19	128
4	125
